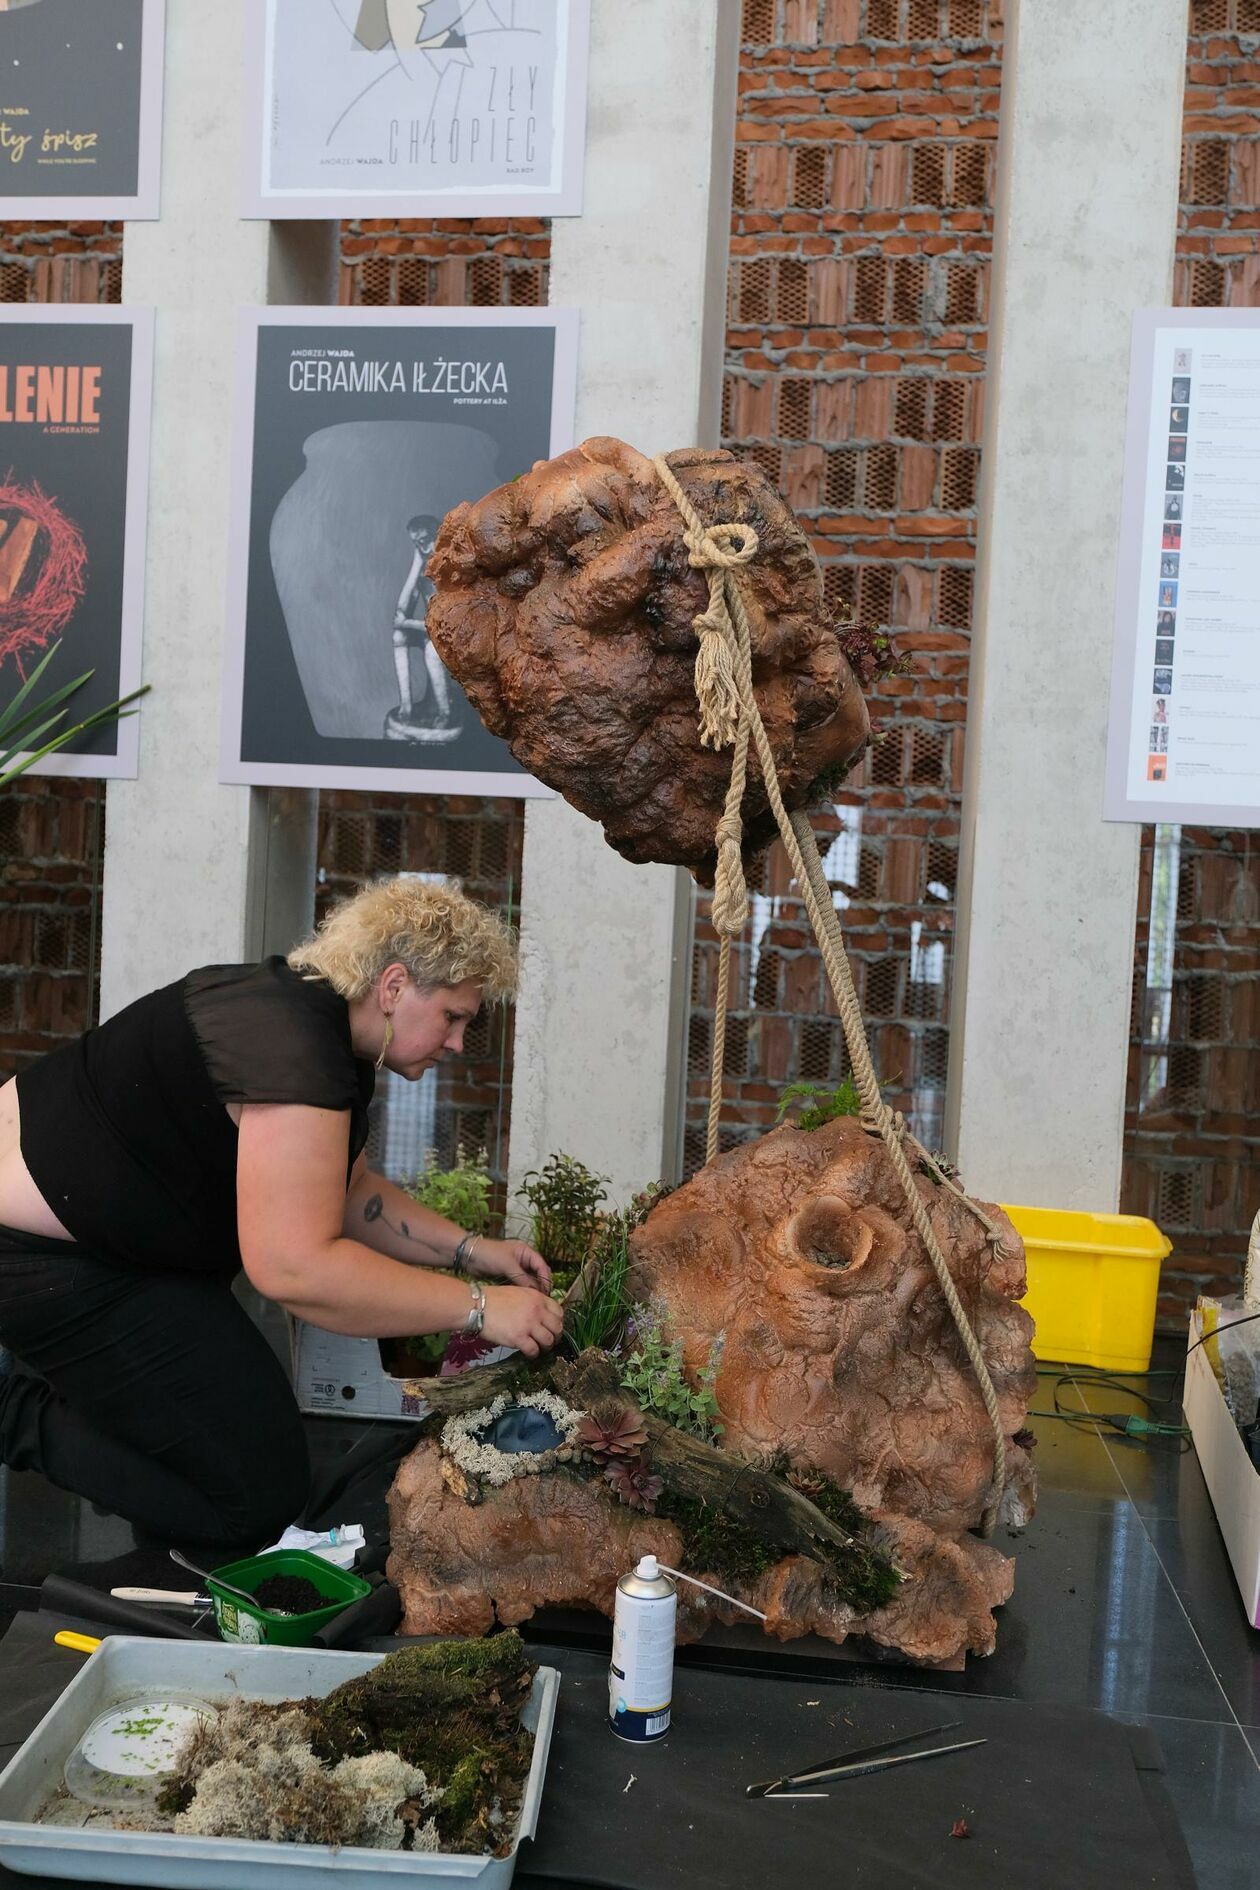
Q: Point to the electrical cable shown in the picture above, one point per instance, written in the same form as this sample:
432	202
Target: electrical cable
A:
1132	1425
1217	1331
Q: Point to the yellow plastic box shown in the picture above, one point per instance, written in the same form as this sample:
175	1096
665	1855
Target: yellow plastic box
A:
1092	1285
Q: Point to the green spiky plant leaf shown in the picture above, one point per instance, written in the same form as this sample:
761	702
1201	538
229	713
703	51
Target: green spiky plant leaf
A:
29	730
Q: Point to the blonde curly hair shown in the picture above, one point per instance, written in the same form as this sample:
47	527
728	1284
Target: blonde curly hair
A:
436	931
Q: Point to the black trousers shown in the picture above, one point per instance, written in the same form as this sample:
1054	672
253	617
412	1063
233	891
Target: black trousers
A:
153	1395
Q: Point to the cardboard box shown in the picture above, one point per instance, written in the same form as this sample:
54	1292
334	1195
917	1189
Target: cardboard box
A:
344	1377
1232	1479
332	1373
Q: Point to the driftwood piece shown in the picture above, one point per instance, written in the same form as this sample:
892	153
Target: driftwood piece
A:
468	1391
764	1503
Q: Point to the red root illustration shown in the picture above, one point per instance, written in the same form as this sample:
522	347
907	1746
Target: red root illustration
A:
30	620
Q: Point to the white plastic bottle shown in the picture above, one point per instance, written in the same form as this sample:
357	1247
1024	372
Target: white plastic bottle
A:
641	1678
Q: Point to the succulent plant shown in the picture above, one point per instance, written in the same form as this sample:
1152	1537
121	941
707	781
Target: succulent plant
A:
611	1430
632	1480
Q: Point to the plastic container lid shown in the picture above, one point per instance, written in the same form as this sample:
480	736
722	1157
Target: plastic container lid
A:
127	1754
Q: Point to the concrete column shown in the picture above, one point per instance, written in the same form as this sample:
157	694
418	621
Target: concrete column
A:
605	960
197	873
1088	164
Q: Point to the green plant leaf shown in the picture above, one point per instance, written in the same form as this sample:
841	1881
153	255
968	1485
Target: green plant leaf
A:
22	726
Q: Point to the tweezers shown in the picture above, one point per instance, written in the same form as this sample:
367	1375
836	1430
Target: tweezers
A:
865	1759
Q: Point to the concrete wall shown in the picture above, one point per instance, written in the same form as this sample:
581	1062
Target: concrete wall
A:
195	872
1086	218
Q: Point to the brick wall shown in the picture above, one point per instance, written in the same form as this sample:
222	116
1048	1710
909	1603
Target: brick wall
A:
1192	1124
51	830
494	261
855	375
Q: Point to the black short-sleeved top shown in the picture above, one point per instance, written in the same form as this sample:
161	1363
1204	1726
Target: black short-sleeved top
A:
125	1132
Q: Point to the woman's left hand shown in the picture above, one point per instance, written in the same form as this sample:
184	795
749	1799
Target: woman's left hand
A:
510	1260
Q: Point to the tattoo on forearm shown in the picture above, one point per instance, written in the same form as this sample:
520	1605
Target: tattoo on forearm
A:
374	1210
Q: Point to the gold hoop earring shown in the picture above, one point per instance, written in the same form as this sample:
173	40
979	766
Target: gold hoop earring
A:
389	1038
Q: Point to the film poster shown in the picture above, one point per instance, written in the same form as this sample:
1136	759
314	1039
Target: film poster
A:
80	108
417	107
74	420
358	430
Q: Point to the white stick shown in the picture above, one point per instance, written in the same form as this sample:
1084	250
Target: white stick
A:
719	1592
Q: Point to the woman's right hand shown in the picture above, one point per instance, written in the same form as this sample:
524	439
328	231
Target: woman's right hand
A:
529	1322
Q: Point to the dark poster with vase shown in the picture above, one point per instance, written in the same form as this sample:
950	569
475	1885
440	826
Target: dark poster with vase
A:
74	422
358	430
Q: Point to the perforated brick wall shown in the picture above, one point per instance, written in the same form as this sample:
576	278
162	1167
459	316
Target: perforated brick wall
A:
855	375
490	261
477	841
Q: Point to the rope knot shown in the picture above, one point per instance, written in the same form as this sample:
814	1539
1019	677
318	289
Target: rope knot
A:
720	547
729	910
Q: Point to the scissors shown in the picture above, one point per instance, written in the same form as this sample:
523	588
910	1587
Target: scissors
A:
857	1763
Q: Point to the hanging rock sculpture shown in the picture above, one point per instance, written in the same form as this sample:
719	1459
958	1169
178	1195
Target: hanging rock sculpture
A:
566	606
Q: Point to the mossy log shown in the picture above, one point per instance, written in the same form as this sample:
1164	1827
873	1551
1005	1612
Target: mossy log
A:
469	1390
765	1504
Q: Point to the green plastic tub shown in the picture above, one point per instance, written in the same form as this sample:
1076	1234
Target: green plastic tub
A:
257	1626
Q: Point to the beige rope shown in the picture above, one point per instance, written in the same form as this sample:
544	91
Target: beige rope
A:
719	552
725	628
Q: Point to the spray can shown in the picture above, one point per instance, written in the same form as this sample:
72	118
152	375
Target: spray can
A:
641	1678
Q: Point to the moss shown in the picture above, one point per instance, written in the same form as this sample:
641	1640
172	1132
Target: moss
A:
452	1709
715	1543
860	1577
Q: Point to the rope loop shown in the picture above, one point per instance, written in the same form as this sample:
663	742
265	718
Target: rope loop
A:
721	547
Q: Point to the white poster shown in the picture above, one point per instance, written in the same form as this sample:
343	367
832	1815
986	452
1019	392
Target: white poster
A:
447	108
357	431
1184	740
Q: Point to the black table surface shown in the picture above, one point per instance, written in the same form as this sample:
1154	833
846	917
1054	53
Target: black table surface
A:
1057	1797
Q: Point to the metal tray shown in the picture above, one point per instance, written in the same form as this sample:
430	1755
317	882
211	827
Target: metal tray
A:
124	1666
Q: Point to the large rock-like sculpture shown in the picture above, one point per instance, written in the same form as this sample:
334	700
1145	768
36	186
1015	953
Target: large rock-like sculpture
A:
839	1356
565	606
839	1348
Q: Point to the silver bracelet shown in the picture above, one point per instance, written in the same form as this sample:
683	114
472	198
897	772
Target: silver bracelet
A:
472	1326
460	1261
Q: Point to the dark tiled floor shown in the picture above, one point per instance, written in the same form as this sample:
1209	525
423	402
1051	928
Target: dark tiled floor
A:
1124	1601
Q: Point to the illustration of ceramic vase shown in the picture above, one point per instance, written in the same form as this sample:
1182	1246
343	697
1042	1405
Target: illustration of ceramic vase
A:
340	554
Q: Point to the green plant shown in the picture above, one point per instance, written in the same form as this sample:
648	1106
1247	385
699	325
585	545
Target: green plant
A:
460	1194
23	725
564	1199
654	1372
600	1305
824	1105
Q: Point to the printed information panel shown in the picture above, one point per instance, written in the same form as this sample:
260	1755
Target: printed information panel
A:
358	430
1184	740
